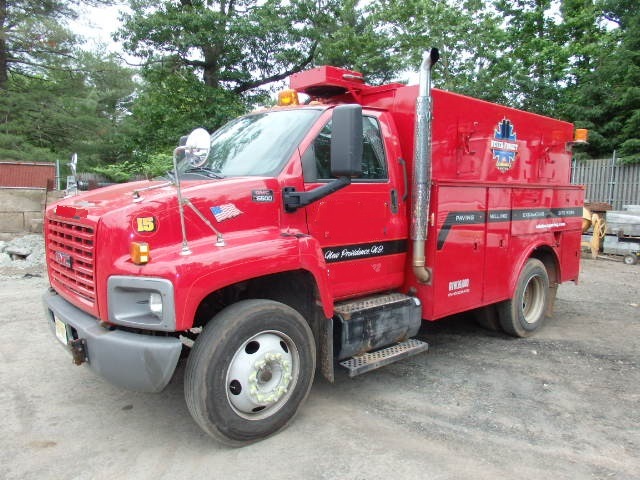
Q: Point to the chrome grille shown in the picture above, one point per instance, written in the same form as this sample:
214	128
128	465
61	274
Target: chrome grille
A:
70	259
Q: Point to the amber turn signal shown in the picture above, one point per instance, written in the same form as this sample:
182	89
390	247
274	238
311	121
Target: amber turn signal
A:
140	253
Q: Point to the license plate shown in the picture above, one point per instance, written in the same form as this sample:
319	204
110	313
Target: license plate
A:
61	331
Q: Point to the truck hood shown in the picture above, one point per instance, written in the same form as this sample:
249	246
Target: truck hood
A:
105	200
98	202
229	204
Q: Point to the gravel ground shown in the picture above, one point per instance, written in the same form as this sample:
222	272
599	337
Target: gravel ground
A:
22	254
563	404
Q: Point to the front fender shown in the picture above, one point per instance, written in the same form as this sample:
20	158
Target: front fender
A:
252	258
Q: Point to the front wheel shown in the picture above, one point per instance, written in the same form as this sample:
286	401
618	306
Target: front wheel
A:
249	371
525	312
630	259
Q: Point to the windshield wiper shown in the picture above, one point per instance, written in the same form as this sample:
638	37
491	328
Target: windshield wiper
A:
209	172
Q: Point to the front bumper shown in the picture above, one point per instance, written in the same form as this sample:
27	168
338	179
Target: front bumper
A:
138	362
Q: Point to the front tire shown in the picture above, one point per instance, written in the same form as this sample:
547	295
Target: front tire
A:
249	371
525	312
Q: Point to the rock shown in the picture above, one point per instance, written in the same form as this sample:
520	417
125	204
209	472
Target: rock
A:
23	252
5	260
15	251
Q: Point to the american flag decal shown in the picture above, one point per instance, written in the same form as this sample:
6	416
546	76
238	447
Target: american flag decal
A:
224	212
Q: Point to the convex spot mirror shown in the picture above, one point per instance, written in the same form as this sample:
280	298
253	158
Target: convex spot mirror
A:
197	147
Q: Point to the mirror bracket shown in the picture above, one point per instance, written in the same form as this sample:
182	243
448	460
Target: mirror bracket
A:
294	200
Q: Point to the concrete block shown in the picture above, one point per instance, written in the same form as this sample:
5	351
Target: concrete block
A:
33	222
54	196
12	222
21	199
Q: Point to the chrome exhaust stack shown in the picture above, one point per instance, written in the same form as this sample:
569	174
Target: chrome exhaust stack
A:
422	167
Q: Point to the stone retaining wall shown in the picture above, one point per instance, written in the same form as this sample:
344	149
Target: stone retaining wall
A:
22	209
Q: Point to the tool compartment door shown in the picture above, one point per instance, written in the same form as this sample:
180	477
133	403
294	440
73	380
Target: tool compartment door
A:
498	267
460	249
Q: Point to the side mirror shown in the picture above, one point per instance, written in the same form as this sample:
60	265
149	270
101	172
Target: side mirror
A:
346	141
197	145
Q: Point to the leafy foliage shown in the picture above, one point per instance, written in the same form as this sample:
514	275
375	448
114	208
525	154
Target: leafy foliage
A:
48	117
206	61
154	165
237	45
33	38
172	102
56	99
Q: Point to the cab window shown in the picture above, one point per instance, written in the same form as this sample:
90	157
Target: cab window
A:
316	161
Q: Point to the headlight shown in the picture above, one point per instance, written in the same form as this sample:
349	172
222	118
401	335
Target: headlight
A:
155	304
141	302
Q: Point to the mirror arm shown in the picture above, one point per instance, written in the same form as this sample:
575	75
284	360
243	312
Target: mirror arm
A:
294	200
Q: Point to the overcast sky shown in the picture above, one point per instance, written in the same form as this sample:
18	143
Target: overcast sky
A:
97	24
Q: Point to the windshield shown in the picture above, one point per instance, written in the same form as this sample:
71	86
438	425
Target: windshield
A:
258	144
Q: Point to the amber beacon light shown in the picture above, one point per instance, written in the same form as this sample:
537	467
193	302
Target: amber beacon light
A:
288	97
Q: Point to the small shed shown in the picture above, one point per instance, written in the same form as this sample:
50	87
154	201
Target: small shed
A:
27	174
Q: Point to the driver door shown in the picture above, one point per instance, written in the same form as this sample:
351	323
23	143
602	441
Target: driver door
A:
362	228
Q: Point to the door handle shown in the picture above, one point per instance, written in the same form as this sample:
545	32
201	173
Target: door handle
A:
403	164
394	201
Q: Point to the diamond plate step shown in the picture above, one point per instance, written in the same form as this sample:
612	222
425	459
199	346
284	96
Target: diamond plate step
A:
370	361
346	309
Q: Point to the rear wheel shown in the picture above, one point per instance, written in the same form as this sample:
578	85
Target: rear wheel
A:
249	371
631	259
525	312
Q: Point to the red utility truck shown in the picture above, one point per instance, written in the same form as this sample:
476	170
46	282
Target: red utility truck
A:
310	236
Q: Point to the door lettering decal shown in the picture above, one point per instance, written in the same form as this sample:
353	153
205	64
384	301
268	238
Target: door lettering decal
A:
344	253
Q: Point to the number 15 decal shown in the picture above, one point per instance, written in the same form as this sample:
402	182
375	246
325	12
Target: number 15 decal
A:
146	224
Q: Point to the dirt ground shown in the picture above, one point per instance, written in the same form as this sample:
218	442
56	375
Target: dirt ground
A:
564	404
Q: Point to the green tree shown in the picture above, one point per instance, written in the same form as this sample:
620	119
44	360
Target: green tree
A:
55	98
235	45
467	33
172	101
358	38
45	117
207	61
33	36
535	58
604	94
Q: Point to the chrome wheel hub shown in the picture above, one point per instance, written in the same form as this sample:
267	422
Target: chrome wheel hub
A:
533	300
262	374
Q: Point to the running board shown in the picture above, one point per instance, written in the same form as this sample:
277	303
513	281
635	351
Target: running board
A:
366	362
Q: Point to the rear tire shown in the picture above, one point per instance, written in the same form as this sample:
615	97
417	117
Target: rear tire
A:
249	371
525	312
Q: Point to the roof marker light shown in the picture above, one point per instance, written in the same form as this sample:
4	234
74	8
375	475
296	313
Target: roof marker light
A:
581	135
288	97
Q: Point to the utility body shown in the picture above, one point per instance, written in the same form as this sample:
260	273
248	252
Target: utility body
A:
307	235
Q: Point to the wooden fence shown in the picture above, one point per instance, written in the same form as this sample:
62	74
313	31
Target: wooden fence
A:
607	181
